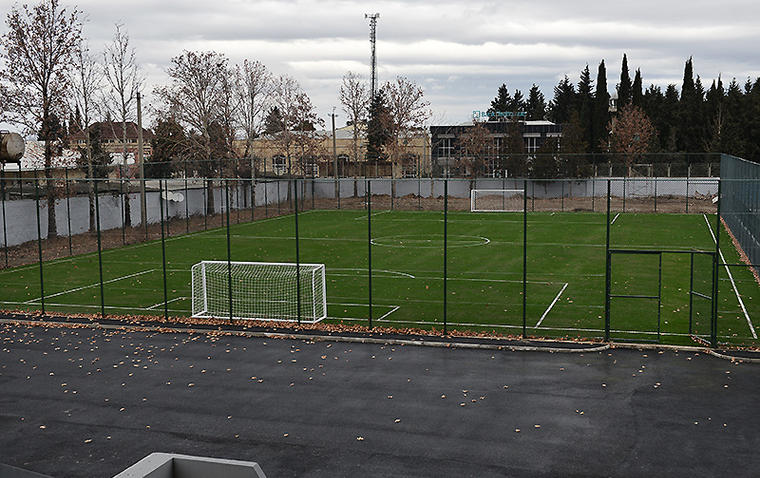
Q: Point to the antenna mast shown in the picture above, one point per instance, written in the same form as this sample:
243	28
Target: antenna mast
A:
373	66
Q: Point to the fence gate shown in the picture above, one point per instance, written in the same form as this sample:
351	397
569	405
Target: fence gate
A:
634	296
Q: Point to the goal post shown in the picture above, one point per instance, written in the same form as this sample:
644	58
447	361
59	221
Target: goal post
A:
260	291
496	200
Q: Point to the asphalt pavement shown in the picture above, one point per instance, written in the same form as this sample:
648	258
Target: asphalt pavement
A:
82	402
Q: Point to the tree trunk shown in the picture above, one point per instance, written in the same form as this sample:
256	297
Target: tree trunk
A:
90	185
50	191
210	197
127	208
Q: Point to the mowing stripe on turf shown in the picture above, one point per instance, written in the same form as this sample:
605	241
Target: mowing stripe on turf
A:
546	312
77	289
730	276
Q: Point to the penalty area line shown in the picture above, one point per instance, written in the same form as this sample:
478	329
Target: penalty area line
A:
77	289
614	219
546	312
731	277
167	302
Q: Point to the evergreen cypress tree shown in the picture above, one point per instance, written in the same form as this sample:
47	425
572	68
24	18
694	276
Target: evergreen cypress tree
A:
637	95
586	105
670	114
624	87
601	111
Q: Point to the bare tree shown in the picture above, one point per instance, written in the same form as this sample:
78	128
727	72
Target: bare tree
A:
298	117
87	81
194	98
354	96
632	134
475	145
409	111
39	49
124	79
254	91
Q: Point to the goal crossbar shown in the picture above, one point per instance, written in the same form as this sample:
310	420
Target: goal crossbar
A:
496	200
260	291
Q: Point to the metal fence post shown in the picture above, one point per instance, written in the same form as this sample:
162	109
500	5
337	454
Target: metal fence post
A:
205	205
655	194
100	250
39	240
607	272
562	197
688	174
163	248
266	198
229	248
68	209
525	262
624	191
445	252
716	273
5	227
187	200
368	194
298	252
123	210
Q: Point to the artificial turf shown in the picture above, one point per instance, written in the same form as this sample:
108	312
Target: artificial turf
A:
484	270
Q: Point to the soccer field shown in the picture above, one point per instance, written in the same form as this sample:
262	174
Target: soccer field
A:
565	272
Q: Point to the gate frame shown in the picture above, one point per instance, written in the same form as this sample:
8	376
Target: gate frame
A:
659	252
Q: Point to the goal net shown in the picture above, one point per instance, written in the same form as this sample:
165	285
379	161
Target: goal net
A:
496	200
260	291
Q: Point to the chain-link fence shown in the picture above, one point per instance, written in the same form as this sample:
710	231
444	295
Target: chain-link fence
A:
487	255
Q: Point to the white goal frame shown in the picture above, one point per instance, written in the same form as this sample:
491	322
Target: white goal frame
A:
502	192
278	290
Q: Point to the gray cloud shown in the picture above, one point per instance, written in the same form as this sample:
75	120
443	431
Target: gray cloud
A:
459	51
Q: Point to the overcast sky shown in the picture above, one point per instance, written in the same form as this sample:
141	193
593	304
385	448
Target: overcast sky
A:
460	52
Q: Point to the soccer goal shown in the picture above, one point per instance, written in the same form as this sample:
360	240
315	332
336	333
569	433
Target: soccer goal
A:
496	200
260	291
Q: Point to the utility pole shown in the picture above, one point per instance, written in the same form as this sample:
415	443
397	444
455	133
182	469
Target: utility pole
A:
141	162
335	157
373	62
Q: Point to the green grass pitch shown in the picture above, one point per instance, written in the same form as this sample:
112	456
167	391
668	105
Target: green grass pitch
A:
565	264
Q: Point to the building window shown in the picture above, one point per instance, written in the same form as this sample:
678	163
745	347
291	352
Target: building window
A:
410	165
278	164
445	148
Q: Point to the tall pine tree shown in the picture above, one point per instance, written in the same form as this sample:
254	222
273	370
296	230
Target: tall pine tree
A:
564	101
600	135
500	104
536	106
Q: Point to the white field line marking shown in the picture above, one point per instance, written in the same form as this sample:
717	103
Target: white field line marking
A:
731	277
135	246
546	312
615	218
93	306
403	274
373	214
394	309
167	302
38	299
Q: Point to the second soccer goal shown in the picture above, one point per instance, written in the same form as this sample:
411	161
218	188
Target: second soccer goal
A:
496	200
260	291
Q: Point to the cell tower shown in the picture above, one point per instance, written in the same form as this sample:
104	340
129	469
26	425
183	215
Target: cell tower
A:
373	66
